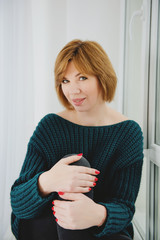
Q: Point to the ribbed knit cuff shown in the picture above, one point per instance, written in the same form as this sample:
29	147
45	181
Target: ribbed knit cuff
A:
117	218
27	201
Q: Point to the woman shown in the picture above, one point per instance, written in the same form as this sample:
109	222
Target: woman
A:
112	146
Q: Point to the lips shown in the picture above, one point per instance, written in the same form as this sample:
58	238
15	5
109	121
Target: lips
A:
77	99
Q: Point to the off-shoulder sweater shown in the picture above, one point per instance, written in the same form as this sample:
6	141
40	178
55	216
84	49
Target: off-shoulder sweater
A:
115	150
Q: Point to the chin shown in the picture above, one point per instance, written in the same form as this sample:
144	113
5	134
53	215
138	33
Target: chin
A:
82	109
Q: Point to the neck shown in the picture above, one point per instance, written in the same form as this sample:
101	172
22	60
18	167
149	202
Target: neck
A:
94	117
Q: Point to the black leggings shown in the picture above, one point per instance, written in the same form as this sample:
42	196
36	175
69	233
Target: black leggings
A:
44	227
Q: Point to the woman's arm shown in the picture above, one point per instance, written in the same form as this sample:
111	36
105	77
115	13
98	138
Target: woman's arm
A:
121	201
123	185
26	199
101	214
42	184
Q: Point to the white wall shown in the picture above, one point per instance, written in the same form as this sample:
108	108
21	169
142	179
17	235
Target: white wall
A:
101	21
96	20
49	35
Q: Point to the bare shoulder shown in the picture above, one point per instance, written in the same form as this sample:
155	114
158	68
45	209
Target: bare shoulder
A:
117	116
63	114
121	117
68	115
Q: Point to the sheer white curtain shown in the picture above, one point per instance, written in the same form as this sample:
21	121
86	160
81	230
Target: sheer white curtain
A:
28	49
16	98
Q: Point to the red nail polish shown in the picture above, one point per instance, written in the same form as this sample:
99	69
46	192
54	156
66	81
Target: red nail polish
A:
94	184
53	202
54	212
96	179
80	154
60	193
56	220
97	172
90	189
52	208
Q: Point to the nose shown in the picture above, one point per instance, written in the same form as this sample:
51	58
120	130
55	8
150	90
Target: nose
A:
74	89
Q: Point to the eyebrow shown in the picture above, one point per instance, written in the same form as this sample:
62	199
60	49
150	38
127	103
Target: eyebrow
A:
75	75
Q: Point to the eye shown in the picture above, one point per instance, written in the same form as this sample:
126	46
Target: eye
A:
84	78
64	80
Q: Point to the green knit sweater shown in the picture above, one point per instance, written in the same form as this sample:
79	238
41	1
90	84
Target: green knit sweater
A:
115	150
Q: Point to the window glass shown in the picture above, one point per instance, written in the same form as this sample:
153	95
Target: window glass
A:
157	136
157	117
135	87
140	213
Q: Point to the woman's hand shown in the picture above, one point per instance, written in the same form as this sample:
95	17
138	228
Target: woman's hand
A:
80	213
67	178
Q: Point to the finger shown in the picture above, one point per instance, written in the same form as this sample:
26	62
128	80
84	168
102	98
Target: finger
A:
60	204
59	214
87	177
71	159
85	183
88	170
71	196
62	224
82	189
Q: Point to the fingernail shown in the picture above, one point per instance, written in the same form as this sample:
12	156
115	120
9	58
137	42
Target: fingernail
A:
53	202
80	154
54	212
90	189
97	172
94	184
96	179
60	193
56	220
52	208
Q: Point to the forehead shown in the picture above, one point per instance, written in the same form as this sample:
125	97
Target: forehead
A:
71	69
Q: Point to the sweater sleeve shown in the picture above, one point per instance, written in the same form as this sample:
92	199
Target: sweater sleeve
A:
125	183
26	200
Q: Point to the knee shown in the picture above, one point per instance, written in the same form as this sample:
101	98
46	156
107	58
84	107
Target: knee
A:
81	162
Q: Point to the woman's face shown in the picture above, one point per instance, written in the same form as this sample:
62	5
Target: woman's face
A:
76	85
